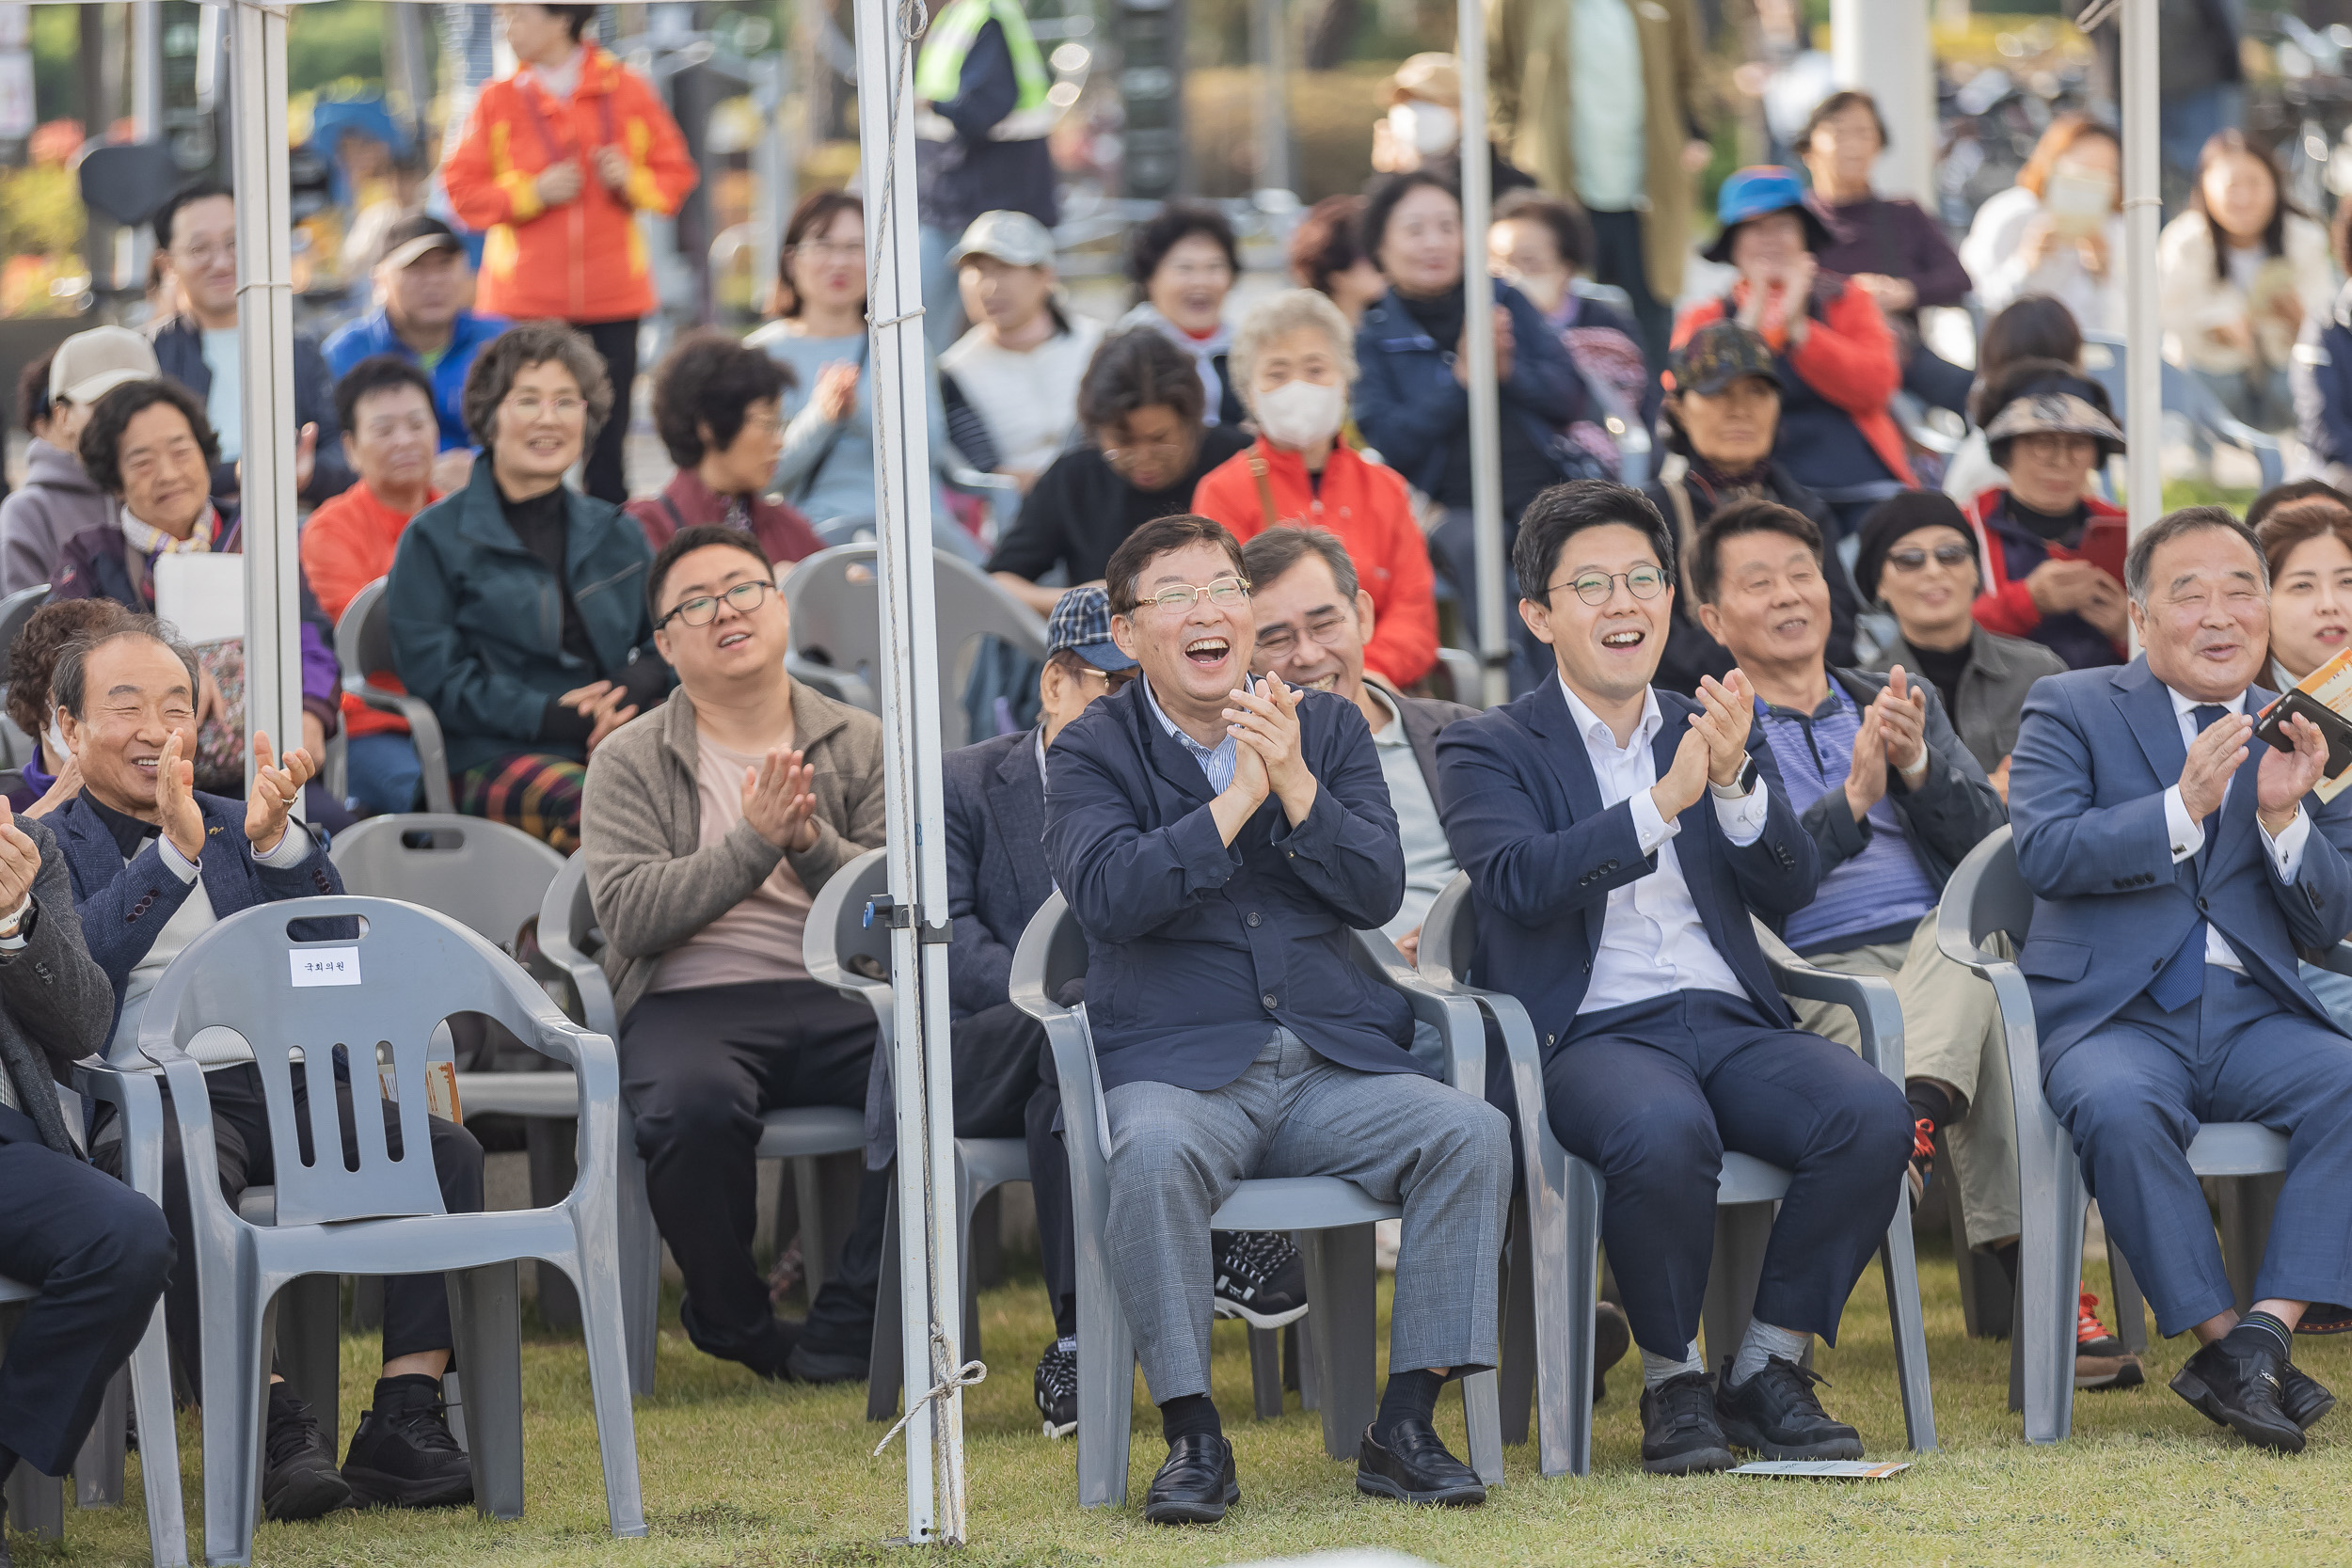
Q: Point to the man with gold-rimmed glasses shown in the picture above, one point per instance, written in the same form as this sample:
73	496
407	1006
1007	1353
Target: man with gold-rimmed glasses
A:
1216	835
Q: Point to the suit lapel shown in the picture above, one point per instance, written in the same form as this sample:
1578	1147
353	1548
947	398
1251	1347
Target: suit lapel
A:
1016	797
2146	703
1550	719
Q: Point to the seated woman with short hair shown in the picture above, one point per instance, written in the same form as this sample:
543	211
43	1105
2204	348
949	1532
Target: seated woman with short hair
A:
518	604
719	408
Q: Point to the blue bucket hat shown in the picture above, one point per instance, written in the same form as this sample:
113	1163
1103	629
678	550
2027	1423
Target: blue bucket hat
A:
1081	622
1760	191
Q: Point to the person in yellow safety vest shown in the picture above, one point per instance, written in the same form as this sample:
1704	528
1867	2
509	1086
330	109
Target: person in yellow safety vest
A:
985	107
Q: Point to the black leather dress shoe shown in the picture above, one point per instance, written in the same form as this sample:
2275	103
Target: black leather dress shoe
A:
1196	1485
1680	1436
2303	1397
1413	1467
2235	1381
1776	1414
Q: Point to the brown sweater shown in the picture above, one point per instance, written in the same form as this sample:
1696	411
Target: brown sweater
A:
652	883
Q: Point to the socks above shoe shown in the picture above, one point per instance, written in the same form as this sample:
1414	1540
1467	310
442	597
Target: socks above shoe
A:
2270	1332
1190	1415
1409	1396
1762	1343
1659	1370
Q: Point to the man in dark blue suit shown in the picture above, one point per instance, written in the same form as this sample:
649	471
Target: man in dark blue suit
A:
1618	841
1217	835
996	880
2173	887
154	864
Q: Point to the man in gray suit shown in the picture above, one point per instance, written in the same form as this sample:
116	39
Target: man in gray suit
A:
97	1251
997	881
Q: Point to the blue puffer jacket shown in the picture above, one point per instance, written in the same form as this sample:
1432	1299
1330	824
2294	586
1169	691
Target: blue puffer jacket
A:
478	619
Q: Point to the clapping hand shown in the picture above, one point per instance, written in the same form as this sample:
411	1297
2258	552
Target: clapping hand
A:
2213	759
175	802
1265	723
1902	709
20	863
1715	748
276	788
2285	777
777	802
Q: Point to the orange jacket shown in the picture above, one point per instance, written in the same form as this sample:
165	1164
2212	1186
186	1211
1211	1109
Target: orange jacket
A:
1849	357
348	542
1368	507
584	261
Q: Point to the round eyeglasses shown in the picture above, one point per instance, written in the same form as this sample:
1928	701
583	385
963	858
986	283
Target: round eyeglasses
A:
1643	582
703	608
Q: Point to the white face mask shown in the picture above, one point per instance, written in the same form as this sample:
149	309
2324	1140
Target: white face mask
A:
1428	129
53	742
1301	414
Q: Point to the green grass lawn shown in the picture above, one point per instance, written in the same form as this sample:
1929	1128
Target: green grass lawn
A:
742	1474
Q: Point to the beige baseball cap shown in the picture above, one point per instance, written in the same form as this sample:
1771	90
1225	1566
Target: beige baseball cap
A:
1015	238
88	365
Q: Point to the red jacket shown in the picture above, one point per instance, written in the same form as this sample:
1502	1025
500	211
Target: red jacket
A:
1367	505
584	261
348	542
687	503
1848	357
2006	605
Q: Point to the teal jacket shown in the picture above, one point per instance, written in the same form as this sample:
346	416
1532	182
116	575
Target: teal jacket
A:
478	620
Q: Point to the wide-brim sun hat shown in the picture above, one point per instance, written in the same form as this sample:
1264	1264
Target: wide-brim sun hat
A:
2053	409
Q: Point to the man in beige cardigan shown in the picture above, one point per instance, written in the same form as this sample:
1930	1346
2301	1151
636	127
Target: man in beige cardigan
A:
710	824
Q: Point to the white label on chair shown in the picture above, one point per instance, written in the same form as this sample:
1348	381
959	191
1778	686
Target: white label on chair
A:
324	966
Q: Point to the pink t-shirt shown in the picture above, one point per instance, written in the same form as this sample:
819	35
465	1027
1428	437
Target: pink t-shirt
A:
758	939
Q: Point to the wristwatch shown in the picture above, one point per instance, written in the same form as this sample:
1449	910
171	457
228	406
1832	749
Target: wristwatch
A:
1739	787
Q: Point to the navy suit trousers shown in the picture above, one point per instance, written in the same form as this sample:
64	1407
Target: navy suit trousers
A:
2132	1093
99	1253
1653	1093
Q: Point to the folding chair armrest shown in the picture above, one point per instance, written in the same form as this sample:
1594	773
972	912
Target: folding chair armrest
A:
1872	1001
1954	940
588	980
192	1108
139	1101
1456	1019
963	475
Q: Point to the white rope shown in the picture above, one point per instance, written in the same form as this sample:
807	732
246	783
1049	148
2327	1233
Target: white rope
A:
963	1377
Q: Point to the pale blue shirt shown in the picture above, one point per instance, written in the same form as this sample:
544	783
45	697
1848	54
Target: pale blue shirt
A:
224	404
1217	761
1607	113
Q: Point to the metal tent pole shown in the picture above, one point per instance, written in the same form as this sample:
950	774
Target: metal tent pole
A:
1494	635
2143	325
1268	49
273	644
931	1303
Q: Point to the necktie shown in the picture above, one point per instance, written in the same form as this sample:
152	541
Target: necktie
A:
2183	980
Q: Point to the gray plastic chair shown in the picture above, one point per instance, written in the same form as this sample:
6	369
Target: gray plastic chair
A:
1463	673
365	1212
2105	358
1554	1273
839	929
1330	1218
36	1502
363	643
15	611
836	611
487	876
568	936
1987	894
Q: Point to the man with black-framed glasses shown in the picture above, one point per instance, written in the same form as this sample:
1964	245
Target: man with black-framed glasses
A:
709	826
1620	841
1218	835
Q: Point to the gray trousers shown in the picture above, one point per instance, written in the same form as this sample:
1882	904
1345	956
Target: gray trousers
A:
1176	1154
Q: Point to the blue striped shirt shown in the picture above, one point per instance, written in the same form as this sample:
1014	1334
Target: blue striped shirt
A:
1218	761
1880	894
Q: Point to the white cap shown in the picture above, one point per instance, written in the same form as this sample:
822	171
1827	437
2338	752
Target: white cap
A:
88	365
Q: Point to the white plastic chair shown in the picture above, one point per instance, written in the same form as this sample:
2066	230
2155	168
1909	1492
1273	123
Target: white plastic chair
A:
840	927
1554	1270
1987	894
1330	1218
363	644
568	936
406	972
836	605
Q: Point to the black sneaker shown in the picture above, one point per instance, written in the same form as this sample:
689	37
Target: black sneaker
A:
2235	1381
2303	1397
1058	1387
402	1454
1776	1414
1680	1436
1260	1277
298	1475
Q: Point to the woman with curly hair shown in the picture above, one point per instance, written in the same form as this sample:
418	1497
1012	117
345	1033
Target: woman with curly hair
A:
718	405
518	604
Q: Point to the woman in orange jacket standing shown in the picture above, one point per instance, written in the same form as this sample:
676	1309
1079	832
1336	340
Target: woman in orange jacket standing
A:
556	162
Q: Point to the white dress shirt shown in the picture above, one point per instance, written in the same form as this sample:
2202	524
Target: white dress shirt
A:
2188	835
1651	940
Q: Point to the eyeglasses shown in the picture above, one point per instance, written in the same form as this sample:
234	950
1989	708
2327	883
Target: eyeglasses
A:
1136	450
1915	557
529	406
703	608
1643	582
1224	592
1279	642
831	250
1117	680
